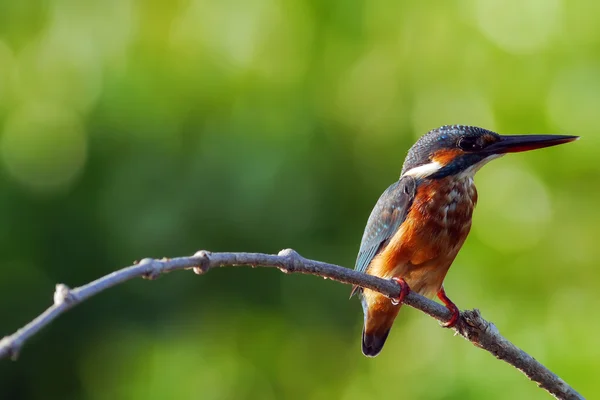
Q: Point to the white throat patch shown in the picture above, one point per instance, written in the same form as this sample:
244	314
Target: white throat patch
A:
423	171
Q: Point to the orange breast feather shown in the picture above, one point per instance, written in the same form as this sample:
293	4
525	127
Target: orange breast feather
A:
425	245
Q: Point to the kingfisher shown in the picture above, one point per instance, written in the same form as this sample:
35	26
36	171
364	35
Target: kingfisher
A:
421	221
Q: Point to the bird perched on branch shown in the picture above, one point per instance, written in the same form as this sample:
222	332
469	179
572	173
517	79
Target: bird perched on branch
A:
421	221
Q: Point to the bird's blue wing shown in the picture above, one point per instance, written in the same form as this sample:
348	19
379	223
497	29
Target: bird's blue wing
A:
385	219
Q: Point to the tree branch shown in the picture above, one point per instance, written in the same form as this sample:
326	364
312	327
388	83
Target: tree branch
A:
470	325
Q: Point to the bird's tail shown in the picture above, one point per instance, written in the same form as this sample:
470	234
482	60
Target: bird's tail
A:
372	343
379	318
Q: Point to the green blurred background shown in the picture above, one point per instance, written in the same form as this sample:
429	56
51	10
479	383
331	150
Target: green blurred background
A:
133	129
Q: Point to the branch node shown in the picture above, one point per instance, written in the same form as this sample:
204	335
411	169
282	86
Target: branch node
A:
295	260
63	294
288	253
203	258
154	268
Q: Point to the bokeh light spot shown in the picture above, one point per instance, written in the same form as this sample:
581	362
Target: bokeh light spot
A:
60	67
239	36
230	32
104	29
43	147
519	26
514	209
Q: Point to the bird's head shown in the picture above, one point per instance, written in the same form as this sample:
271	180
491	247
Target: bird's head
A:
462	150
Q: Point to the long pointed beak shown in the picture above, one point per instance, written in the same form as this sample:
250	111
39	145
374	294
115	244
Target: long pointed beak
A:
517	143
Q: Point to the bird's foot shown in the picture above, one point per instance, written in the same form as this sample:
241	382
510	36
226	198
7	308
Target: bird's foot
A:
404	290
451	307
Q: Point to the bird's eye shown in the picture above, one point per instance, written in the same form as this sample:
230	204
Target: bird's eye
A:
468	143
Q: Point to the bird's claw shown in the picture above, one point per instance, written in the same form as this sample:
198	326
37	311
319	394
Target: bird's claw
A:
404	290
451	307
454	319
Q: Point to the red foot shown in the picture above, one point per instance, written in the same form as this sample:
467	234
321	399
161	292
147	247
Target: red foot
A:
451	307
404	290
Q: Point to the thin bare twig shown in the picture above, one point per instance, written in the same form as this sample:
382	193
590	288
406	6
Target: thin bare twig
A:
470	325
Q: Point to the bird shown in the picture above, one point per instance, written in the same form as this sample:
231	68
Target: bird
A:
421	221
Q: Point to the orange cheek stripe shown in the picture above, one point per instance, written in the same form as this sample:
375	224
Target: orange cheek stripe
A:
445	156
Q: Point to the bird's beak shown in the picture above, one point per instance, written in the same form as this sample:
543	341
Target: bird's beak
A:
517	143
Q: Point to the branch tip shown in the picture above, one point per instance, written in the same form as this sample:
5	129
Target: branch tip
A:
12	346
